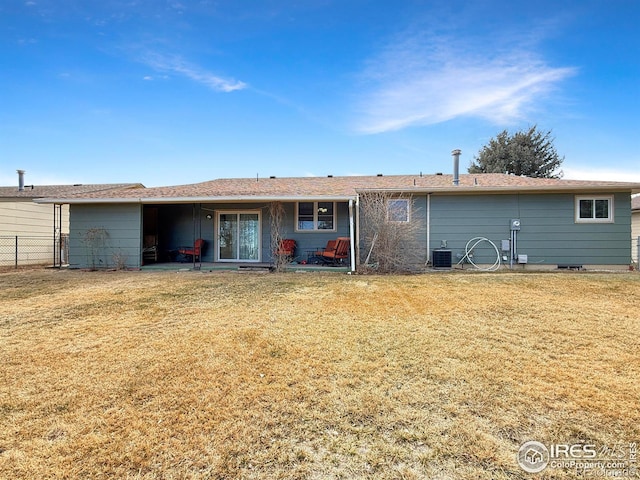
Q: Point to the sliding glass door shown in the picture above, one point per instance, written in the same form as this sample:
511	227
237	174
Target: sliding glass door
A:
239	236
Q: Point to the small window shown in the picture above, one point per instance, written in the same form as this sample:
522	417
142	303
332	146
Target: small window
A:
594	209
398	210
312	216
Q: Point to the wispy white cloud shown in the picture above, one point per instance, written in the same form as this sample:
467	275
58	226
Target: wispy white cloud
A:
428	79
177	65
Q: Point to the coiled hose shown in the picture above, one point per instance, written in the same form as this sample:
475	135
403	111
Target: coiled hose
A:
468	250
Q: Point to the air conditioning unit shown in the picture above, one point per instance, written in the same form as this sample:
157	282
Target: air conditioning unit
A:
441	258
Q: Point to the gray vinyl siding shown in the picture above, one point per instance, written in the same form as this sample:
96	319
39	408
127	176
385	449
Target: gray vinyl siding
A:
549	234
418	246
121	222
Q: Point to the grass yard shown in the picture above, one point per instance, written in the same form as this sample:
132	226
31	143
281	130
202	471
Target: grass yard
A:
136	375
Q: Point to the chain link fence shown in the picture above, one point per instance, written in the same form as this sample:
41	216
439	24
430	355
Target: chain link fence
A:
21	250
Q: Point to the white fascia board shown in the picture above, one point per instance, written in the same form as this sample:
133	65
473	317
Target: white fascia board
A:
632	188
167	200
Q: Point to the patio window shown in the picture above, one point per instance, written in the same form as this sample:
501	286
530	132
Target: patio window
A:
398	210
313	216
594	209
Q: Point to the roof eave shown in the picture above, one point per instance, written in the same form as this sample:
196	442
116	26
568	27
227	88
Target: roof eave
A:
465	190
203	199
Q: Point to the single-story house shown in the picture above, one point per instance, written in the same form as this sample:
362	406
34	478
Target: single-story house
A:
635	228
521	222
33	229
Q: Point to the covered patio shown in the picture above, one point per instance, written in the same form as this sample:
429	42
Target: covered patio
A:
240	235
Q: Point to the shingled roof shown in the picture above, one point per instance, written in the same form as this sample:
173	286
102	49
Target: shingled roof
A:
335	188
635	203
62	191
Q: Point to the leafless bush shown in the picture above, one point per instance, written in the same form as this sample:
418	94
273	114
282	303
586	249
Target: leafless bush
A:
387	246
96	241
276	215
119	260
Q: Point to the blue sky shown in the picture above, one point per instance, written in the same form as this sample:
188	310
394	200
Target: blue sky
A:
182	91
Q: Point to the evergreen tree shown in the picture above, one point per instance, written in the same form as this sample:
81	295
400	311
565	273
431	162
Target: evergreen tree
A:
529	153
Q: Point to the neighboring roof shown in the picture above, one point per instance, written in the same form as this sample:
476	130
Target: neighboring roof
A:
62	191
635	203
338	188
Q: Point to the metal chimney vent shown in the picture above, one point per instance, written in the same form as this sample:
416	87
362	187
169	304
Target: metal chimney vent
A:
456	166
20	180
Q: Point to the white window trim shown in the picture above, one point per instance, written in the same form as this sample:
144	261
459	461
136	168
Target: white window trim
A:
216	226
315	218
408	203
609	219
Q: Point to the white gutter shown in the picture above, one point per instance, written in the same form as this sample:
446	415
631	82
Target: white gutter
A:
226	199
470	190
352	237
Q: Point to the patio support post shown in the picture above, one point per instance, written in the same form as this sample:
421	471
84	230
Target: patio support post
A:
57	235
55	223
197	233
352	237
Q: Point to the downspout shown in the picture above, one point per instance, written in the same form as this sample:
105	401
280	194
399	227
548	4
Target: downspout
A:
352	237
428	229
357	230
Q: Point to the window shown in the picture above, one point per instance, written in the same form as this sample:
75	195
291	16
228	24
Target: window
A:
316	216
597	209
398	210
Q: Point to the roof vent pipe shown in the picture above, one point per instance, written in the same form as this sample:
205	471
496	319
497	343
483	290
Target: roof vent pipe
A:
20	180
456	166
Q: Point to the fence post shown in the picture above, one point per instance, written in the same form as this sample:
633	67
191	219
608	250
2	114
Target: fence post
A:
16	252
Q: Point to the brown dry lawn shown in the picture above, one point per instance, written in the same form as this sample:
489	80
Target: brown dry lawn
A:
225	375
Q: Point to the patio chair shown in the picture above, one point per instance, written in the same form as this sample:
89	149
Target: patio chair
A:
286	248
194	252
150	248
337	254
331	246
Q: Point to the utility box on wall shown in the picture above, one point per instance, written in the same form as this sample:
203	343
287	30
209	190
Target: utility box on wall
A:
441	259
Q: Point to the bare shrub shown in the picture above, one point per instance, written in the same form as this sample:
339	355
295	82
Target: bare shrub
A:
276	215
387	246
119	260
96	241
